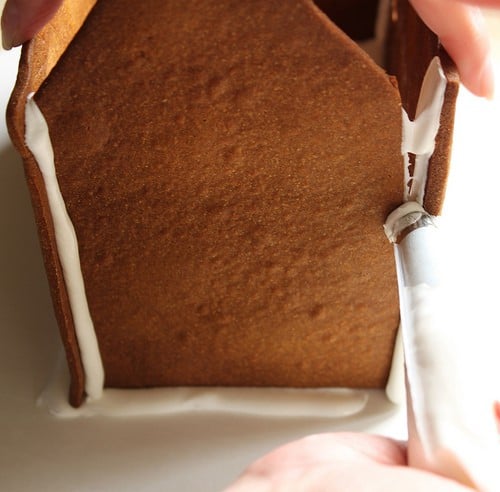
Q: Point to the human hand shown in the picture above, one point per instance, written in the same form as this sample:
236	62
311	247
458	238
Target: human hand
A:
460	27
22	19
339	462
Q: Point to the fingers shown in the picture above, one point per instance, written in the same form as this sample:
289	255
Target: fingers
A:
22	19
462	32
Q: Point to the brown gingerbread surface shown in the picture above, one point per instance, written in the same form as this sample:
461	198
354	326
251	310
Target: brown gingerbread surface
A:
228	167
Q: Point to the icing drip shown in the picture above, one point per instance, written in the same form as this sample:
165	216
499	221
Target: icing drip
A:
38	141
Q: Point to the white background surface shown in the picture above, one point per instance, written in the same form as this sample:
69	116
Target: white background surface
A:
196	452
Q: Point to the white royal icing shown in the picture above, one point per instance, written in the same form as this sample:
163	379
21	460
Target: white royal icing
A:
38	141
419	135
268	402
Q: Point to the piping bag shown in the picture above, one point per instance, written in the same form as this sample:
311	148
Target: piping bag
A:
452	428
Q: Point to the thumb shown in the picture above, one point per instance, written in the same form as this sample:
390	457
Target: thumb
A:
22	19
461	28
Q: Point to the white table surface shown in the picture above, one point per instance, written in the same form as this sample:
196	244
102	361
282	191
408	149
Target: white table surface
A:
193	452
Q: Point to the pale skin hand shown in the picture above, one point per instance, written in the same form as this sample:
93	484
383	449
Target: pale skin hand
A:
340	462
460	27
457	22
22	19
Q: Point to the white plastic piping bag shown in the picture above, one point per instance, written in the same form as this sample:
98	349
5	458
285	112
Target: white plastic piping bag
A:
451	421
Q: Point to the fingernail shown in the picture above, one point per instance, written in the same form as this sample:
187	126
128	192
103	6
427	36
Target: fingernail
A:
7	41
6	38
10	40
10	22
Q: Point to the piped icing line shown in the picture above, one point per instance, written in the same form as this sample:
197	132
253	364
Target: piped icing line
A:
38	141
419	135
262	402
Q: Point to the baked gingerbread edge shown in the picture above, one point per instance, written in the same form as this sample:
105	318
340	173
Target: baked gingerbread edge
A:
38	57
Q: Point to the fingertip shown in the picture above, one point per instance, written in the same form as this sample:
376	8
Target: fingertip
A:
461	29
481	82
23	19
